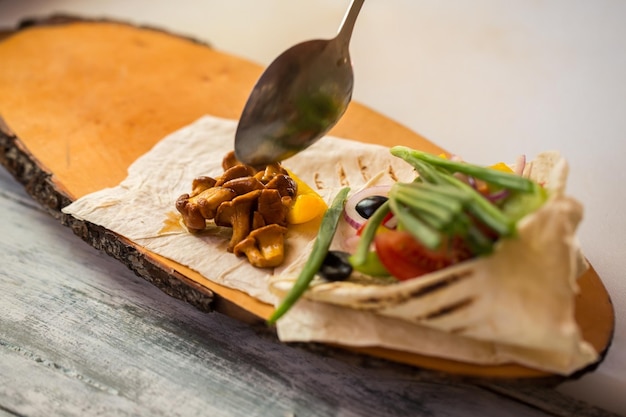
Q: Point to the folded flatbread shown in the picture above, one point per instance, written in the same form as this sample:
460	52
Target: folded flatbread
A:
516	305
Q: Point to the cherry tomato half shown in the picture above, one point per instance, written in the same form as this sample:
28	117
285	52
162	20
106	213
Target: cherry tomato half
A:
405	257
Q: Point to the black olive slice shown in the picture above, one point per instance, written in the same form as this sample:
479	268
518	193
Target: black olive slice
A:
369	205
336	266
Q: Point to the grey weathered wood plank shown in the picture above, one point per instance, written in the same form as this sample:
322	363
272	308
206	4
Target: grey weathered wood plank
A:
6	413
82	335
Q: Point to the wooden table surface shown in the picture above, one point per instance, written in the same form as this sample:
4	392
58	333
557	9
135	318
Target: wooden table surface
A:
81	335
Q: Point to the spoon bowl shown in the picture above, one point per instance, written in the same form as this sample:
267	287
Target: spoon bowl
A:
301	95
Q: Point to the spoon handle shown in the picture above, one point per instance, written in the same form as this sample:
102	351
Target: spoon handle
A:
345	30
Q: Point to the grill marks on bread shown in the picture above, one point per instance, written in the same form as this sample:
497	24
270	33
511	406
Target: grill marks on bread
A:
447	309
455	305
342	176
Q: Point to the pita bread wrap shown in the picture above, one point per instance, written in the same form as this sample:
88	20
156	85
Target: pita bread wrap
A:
516	305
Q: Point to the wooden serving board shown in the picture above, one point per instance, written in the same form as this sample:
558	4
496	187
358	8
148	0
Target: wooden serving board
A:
80	100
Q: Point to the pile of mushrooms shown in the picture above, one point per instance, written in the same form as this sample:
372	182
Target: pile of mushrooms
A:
254	203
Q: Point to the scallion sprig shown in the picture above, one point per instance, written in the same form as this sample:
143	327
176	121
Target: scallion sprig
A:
438	206
492	176
318	253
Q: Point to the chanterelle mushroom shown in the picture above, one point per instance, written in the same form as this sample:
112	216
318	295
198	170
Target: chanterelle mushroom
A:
270	172
264	247
285	185
200	184
237	214
271	207
238	171
254	203
203	206
244	185
229	161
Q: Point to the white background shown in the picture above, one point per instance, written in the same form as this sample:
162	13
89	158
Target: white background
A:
485	79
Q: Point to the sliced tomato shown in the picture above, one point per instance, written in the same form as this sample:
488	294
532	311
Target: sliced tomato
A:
405	257
388	223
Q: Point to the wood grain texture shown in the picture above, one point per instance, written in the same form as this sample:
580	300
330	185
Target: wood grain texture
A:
100	84
80	335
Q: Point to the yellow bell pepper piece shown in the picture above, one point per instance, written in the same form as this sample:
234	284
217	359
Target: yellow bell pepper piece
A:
501	166
307	205
305	208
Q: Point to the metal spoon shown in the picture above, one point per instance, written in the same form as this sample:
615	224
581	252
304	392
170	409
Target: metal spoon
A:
299	97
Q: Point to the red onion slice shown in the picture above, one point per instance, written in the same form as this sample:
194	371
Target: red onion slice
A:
520	164
351	216
498	195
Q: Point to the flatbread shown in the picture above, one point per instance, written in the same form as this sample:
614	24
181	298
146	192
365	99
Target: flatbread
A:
142	207
521	298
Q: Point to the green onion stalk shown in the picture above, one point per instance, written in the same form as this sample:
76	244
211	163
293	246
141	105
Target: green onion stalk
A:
327	230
